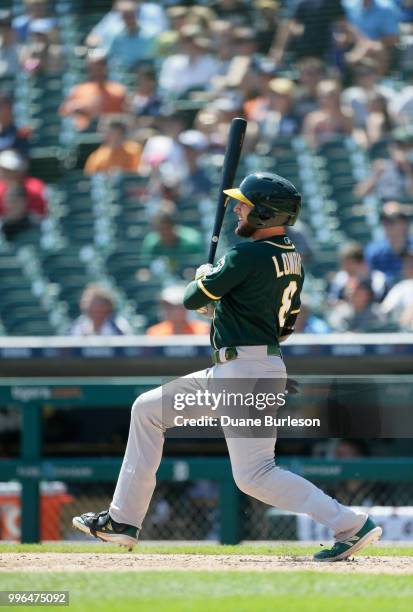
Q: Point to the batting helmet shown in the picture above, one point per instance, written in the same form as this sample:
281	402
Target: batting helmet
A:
273	200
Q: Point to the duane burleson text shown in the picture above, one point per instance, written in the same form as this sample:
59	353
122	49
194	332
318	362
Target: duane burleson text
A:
227	421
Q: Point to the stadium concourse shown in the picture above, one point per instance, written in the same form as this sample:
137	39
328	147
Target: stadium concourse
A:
113	125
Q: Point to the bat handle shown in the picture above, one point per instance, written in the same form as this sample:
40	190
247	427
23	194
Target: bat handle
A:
213	248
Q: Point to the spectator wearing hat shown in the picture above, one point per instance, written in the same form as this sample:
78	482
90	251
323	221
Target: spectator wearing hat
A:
99	318
174	244
192	67
116	154
9	54
331	120
150	15
398	303
35	10
132	44
392	178
280	119
196	181
23	199
11	137
175	317
353	265
387	253
357	312
96	97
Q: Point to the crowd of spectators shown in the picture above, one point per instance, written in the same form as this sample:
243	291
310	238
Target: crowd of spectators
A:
318	69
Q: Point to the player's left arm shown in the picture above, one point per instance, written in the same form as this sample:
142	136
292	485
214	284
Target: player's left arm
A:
229	272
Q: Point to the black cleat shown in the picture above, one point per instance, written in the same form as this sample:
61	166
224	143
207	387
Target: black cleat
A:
100	525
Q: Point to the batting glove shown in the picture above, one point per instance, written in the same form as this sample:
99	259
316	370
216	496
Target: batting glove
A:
207	311
203	270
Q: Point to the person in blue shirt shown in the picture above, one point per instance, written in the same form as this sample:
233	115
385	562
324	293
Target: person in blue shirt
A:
133	44
387	254
375	26
375	19
151	17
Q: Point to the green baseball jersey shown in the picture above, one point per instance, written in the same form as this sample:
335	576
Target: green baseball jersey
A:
256	289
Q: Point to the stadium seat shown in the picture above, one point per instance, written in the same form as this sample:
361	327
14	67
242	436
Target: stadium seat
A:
46	161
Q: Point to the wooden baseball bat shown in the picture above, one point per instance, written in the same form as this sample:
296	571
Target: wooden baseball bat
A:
229	168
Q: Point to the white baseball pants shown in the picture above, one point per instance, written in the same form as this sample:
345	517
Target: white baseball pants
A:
252	459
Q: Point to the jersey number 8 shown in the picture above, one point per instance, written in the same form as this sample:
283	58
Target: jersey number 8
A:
286	302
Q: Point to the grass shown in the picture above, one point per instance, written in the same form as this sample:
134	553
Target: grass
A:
292	549
212	591
222	591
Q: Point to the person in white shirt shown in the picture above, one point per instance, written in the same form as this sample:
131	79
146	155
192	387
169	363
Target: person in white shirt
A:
401	105
98	317
400	298
192	66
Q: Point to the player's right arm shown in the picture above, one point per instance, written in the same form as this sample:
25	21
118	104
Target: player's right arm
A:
229	272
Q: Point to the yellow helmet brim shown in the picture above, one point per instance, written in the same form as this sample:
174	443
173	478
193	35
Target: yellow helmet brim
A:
238	195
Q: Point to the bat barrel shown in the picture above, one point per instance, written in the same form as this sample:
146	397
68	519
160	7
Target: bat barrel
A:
229	169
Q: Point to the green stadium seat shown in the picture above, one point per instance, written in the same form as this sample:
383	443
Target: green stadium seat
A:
333	150
30	325
46	163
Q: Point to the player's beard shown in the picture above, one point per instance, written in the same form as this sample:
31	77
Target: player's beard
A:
244	229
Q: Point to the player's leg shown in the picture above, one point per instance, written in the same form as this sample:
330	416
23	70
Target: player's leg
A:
152	413
256	473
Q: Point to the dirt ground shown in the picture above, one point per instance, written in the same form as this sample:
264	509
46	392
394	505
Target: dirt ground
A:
75	562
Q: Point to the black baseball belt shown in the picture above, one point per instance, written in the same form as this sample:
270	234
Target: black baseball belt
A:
230	353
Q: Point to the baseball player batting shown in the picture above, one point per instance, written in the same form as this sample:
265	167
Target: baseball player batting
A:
253	294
